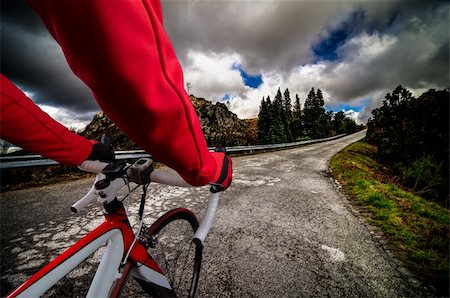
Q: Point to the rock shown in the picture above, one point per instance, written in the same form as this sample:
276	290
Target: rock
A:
220	127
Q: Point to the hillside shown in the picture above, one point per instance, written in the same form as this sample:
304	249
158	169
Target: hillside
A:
220	126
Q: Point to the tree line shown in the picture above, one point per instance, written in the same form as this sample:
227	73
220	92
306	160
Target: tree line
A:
280	122
412	137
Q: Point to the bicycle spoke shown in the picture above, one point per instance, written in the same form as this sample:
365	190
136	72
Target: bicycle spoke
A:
174	251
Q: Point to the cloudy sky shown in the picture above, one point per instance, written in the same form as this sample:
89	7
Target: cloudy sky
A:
240	51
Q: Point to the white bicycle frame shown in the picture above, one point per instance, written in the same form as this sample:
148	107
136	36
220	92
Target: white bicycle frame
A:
104	277
116	252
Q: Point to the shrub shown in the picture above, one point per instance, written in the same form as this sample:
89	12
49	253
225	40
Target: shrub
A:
424	175
412	137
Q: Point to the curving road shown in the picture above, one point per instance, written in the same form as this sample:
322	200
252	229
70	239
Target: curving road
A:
282	230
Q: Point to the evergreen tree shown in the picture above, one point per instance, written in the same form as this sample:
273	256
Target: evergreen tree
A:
338	123
324	128
277	128
288	115
309	115
316	121
264	121
324	119
319	102
297	119
392	132
288	105
412	137
349	126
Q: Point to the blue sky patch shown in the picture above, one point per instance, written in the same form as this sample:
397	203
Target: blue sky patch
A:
337	107
326	49
227	97
252	81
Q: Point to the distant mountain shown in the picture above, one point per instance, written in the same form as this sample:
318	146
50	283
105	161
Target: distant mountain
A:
220	126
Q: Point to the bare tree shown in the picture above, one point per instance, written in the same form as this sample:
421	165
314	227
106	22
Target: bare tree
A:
188	87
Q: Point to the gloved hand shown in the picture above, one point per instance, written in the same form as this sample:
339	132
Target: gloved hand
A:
224	171
102	151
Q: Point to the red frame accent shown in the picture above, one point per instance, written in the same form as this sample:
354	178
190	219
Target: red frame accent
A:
116	220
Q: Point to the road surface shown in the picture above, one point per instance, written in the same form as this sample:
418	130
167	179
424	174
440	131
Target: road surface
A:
282	230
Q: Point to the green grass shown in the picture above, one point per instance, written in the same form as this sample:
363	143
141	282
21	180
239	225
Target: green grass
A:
417	229
303	138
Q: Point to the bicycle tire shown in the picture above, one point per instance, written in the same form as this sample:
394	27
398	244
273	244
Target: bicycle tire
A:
174	251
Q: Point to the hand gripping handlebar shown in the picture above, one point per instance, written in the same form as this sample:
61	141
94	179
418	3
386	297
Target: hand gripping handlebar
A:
163	177
168	178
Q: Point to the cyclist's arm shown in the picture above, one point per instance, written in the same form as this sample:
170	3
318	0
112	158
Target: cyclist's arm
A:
124	55
26	125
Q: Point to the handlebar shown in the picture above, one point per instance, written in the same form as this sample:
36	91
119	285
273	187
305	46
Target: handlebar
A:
208	218
102	196
163	177
87	199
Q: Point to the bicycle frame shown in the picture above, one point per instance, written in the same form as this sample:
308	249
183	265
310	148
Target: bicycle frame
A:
118	234
124	256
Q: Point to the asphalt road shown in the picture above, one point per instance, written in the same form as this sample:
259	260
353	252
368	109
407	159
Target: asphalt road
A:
282	230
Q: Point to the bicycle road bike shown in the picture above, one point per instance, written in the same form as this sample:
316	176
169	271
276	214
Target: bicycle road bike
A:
164	258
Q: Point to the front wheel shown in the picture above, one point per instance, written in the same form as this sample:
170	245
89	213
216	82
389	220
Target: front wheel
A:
170	244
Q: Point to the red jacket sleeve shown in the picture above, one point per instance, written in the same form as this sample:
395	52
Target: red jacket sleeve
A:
26	125
122	52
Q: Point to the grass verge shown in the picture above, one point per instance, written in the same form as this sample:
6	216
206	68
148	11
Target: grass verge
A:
417	230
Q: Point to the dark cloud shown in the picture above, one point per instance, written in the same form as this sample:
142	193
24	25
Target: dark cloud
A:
32	59
381	44
417	57
269	35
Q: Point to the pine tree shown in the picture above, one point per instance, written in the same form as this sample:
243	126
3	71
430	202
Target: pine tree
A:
325	124
264	121
297	126
309	114
412	138
324	119
338	123
320	103
316	120
277	134
288	115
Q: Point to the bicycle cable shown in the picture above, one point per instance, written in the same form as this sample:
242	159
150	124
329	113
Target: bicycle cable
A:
141	221
129	190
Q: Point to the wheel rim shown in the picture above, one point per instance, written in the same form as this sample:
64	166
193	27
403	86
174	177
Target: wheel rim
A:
174	251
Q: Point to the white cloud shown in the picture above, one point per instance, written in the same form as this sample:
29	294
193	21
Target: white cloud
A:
65	117
410	49
393	42
247	105
212	76
365	71
353	115
354	77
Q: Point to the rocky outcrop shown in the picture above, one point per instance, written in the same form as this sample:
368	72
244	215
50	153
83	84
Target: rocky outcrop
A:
220	127
100	125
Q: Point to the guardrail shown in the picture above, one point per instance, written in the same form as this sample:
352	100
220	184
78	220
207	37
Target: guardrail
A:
11	162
